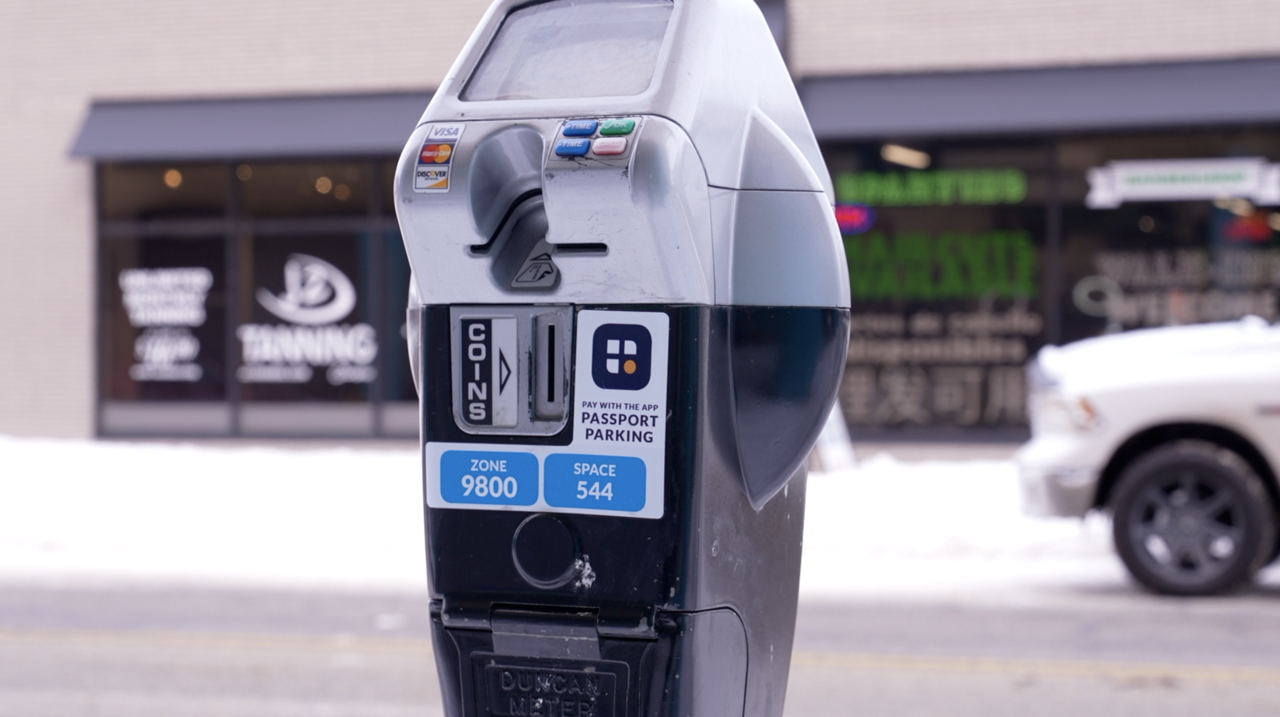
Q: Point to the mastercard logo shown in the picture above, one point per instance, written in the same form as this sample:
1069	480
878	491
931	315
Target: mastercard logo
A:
436	153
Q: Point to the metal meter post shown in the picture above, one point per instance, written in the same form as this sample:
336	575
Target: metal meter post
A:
628	320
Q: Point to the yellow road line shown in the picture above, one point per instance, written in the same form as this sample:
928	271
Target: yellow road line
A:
1057	668
220	640
830	660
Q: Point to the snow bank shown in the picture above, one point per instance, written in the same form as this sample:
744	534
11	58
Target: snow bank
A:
352	519
99	510
944	529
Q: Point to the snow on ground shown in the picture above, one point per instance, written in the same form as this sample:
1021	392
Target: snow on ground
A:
944	529
352	519
148	511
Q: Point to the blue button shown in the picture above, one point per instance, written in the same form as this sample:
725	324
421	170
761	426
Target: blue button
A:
489	477
572	147
596	482
580	128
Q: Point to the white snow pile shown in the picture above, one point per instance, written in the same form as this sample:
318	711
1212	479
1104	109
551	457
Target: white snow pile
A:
352	519
146	511
944	528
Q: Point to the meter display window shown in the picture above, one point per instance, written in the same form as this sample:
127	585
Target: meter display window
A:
572	48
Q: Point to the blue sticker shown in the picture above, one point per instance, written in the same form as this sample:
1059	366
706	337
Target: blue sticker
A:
596	482
489	477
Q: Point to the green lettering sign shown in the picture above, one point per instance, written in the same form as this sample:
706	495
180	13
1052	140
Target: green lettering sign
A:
942	187
951	265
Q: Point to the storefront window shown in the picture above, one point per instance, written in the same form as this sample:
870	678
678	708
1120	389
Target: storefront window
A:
164	319
252	298
306	332
945	265
1162	230
304	189
162	191
268	298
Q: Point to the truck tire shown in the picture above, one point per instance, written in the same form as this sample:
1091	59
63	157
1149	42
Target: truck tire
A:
1192	518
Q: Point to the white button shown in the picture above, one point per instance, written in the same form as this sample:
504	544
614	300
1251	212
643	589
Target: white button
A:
606	146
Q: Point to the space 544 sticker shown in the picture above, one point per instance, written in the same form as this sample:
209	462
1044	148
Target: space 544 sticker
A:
616	463
435	159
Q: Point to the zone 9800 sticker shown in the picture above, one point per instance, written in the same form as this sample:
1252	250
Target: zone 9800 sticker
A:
615	464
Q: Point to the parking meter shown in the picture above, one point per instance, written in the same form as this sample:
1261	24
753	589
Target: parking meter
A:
628	320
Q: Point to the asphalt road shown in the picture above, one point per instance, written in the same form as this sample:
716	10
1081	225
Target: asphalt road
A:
144	651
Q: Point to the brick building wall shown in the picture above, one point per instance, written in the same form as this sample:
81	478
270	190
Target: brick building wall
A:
59	56
833	37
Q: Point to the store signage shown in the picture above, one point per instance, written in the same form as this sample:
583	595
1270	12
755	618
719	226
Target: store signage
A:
940	187
950	265
1163	287
317	295
166	304
943	325
1172	180
854	219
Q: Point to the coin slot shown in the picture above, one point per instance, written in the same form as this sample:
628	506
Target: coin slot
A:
551	363
550	351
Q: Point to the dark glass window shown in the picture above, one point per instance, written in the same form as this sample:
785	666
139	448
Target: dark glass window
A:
399	380
162	191
252	298
945	266
307	332
163	319
1164	260
304	189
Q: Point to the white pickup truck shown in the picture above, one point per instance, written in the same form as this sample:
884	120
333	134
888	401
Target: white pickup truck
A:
1174	431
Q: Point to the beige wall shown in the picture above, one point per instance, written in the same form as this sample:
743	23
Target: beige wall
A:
884	36
57	57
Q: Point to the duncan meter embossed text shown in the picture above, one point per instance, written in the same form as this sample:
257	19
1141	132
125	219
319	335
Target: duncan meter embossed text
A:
629	315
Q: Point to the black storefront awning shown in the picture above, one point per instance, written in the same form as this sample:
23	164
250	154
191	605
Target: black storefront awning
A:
1075	99
1112	97
335	125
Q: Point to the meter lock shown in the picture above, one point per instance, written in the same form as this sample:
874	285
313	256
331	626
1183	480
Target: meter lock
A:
511	368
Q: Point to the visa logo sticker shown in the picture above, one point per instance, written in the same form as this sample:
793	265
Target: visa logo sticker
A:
435	159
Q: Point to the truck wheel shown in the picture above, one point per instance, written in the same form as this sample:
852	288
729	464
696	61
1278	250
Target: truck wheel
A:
1191	518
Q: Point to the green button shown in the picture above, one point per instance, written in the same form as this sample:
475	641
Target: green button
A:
617	126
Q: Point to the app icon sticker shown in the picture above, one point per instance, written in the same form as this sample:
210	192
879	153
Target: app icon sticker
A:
621	357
